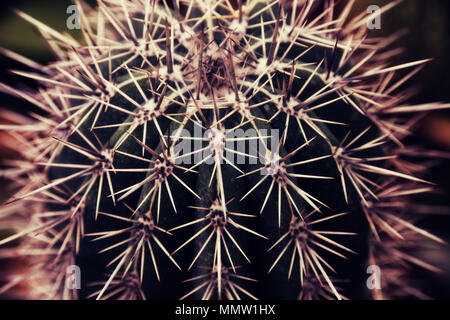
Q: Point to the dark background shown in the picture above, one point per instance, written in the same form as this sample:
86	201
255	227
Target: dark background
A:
428	26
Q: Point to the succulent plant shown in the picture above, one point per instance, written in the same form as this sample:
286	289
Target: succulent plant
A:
214	150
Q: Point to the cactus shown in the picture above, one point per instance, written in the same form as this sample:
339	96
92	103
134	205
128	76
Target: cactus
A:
214	150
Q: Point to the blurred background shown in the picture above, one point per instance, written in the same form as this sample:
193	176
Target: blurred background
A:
428	35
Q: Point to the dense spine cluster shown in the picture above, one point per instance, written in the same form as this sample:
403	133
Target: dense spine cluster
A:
105	178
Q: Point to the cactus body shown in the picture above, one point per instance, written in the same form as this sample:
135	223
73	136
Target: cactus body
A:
214	150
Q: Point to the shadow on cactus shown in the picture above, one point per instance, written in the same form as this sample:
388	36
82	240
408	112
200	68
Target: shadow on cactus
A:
215	150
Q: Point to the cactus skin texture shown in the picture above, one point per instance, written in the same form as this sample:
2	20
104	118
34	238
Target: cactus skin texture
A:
99	181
